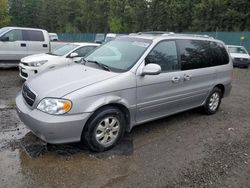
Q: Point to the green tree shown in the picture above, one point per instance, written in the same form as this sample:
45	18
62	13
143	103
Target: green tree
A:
124	16
4	17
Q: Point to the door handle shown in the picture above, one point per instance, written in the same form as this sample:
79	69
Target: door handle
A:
23	45
187	77
45	45
176	79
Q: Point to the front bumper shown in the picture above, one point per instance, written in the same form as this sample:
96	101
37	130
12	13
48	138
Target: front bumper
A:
54	129
26	71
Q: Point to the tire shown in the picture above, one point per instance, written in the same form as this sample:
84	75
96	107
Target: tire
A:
104	129
213	101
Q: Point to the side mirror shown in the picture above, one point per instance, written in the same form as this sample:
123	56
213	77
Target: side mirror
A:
74	54
4	38
151	69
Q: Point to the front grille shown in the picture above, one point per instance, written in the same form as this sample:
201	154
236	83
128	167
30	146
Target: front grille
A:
242	59
28	95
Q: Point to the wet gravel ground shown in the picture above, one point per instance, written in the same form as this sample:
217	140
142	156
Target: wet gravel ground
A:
185	150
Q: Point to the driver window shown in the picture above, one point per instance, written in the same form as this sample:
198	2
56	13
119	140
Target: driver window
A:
14	35
165	55
82	52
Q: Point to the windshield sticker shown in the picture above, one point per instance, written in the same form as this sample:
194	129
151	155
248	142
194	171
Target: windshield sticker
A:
141	44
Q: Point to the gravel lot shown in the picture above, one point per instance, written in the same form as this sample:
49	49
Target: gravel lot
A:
185	150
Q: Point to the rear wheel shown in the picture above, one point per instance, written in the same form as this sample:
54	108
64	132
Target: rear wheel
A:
213	101
105	129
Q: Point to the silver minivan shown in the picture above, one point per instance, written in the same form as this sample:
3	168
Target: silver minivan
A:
125	82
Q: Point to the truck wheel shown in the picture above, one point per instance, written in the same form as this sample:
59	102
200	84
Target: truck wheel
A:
213	101
104	129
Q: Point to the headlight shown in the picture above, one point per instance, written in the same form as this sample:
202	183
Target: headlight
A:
38	63
55	106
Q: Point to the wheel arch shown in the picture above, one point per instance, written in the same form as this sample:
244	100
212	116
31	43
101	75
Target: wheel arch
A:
122	106
221	87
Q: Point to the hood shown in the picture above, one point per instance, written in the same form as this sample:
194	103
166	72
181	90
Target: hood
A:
64	80
239	55
39	57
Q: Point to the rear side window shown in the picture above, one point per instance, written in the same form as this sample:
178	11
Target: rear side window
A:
219	55
194	54
14	35
165	55
32	35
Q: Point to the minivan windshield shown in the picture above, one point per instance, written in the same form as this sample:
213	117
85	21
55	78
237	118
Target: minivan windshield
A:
61	51
120	54
3	30
238	50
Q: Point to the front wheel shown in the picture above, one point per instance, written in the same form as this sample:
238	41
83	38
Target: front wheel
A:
104	130
213	101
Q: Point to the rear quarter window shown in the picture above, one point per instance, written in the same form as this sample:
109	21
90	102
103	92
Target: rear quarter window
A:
219	55
32	35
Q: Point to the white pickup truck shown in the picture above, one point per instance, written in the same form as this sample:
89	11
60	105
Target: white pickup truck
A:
18	42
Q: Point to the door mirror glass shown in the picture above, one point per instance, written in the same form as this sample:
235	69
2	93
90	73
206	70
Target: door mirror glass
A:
4	38
72	55
151	69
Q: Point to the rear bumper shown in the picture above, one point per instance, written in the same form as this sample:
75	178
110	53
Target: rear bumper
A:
54	129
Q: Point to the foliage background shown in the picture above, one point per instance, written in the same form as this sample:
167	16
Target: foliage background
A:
124	16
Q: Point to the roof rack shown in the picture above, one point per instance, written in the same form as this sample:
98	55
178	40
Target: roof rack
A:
154	33
164	33
194	35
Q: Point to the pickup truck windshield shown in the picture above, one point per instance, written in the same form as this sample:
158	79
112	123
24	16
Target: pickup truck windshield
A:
238	50
2	30
63	50
120	54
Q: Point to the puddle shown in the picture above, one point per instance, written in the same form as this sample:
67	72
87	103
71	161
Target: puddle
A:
10	138
15	135
35	147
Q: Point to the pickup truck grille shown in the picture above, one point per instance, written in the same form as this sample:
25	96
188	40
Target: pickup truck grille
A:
242	59
28	95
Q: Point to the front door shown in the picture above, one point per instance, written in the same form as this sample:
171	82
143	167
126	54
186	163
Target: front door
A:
15	47
160	95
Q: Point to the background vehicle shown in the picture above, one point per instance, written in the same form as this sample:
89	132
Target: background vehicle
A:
239	56
99	38
112	36
125	82
53	37
68	53
18	42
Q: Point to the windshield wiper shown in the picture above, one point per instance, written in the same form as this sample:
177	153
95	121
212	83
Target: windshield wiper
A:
105	67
